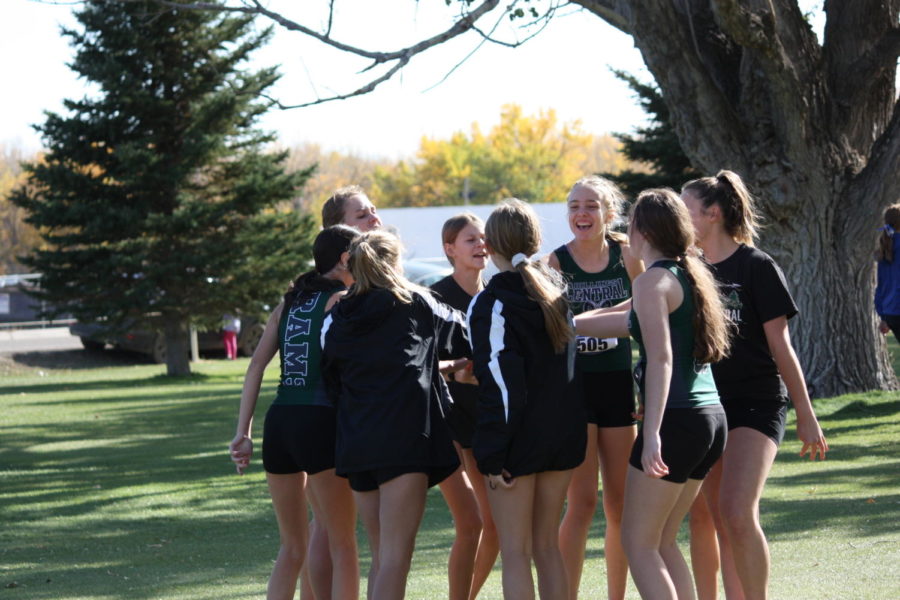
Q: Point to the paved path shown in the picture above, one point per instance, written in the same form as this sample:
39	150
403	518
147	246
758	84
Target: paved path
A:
37	340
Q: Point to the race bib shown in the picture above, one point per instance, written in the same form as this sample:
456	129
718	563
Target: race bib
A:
592	345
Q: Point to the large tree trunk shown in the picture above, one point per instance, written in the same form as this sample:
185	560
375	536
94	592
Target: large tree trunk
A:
177	346
810	129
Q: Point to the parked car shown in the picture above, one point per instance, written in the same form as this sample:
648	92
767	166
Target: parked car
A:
96	336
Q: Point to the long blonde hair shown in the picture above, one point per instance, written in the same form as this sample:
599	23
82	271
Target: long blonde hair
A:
612	199
739	214
375	264
663	219
886	239
513	228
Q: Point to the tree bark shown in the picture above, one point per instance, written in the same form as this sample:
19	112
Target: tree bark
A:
813	130
177	346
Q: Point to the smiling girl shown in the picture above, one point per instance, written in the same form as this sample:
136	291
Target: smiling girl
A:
599	267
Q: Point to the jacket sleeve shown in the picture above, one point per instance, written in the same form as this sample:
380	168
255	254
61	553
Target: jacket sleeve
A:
500	369
329	367
450	327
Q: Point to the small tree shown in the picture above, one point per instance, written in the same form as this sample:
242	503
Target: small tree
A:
655	145
155	197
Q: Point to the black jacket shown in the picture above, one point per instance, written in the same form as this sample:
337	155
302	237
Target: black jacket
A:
380	364
530	417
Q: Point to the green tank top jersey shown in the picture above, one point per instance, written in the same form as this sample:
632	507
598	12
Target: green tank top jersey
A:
692	384
300	350
587	291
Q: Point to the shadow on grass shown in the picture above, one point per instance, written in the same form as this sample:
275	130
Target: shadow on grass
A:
869	516
134	495
158	380
861	409
80	359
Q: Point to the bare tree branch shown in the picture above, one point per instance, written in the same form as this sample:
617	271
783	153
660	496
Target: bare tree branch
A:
860	52
465	23
330	17
876	185
615	12
775	37
697	102
255	7
883	55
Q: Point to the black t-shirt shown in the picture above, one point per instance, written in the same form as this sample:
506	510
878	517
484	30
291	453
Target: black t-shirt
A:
755	292
450	293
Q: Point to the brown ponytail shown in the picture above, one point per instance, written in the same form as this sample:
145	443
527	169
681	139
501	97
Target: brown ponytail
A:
513	228
664	221
375	264
739	214
885	249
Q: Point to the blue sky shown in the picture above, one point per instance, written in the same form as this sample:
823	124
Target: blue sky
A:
566	68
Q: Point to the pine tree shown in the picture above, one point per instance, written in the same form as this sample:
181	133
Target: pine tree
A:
656	145
156	198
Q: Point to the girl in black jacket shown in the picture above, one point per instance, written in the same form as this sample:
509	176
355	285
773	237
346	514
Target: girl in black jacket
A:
531	427
380	364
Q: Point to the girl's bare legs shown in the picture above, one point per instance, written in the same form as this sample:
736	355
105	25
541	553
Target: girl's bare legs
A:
400	508
513	511
315	576
460	498
654	508
549	495
669	550
489	547
581	504
289	502
746	463
711	486
614	445
335	511
704	548
368	505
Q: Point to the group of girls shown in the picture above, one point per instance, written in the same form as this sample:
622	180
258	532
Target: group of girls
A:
493	391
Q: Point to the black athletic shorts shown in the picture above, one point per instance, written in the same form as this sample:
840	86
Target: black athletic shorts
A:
299	437
608	398
692	441
768	417
368	481
461	413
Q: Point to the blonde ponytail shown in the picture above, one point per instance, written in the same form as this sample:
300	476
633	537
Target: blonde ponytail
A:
513	229
375	264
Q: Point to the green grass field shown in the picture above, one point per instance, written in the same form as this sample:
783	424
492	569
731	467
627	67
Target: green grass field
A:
115	483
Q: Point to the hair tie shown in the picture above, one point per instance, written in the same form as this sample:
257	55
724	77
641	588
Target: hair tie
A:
518	259
887	229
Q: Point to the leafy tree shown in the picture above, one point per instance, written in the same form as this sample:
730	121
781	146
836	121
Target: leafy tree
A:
17	238
813	126
655	145
333	170
155	197
531	157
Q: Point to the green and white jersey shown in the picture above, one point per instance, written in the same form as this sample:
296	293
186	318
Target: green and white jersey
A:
587	291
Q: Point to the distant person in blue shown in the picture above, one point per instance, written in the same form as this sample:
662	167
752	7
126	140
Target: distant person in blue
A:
887	292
